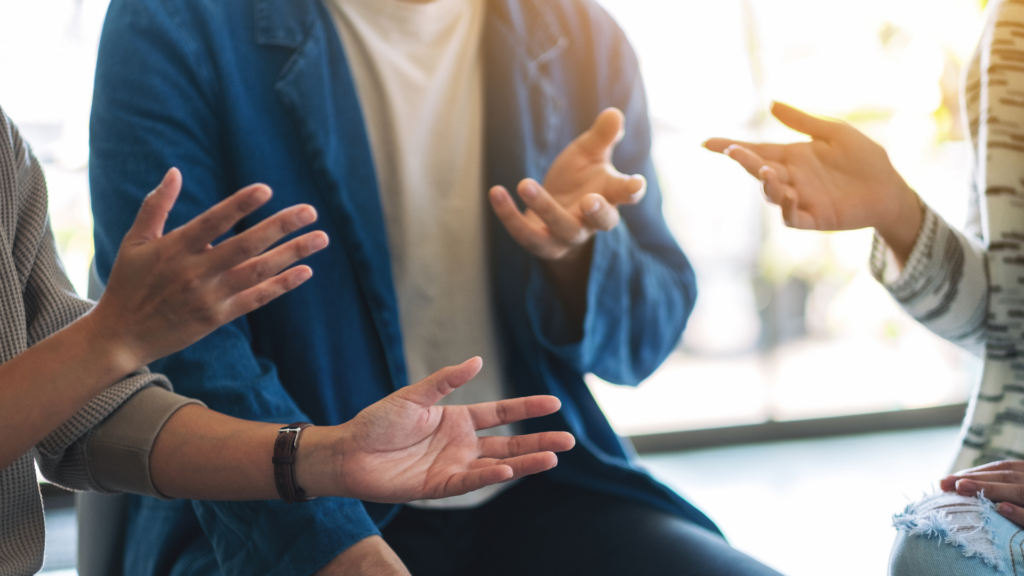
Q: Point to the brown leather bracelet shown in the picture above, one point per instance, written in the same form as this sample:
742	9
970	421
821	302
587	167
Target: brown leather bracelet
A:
285	446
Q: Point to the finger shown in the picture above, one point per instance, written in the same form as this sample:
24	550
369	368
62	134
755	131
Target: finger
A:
814	126
525	465
559	221
1014	513
785	197
511	446
777	192
490	414
263	293
538	241
213	223
794	216
603	134
750	161
431	389
264	267
995	491
254	241
598	213
463	482
773	152
156	206
1015	465
948	484
773	189
1002	476
623	189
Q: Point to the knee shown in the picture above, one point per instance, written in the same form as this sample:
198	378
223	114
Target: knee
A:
944	535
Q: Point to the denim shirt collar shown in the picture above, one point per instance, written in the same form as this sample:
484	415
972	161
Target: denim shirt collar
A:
287	22
531	21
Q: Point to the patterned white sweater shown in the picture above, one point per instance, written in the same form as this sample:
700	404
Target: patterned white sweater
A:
969	287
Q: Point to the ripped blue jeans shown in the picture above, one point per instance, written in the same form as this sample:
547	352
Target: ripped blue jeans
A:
952	535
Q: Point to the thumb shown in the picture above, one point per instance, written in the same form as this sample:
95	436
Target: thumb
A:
431	389
606	131
149	223
623	189
814	126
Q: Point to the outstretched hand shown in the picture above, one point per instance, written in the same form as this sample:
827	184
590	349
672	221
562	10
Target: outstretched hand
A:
840	180
167	291
580	195
405	448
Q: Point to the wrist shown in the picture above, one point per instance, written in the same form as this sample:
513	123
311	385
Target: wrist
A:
109	349
902	225
575	260
318	461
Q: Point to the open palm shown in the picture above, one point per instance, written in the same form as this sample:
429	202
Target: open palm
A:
841	180
580	196
405	448
585	166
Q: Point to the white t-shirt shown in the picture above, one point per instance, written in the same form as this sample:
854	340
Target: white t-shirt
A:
418	72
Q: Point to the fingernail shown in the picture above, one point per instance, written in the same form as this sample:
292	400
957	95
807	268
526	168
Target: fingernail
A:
590	205
729	149
319	242
966	487
704	144
1006	510
261	194
761	173
947	484
529	191
306	216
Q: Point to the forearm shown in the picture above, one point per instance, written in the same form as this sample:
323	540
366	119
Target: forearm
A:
48	383
901	226
202	454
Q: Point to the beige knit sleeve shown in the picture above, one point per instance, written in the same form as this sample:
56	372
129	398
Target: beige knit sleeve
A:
119	448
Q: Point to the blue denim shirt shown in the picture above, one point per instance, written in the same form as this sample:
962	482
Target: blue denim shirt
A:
241	91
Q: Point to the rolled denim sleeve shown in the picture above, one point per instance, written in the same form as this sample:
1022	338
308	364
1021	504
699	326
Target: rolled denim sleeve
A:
641	288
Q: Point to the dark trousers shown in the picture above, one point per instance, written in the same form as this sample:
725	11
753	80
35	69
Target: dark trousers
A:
540	528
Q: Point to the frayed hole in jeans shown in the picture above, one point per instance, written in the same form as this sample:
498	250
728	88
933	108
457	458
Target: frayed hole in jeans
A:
960	521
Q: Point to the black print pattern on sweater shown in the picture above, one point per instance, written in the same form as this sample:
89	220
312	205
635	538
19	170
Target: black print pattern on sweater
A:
969	288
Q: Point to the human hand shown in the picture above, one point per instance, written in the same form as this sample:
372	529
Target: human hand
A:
369	557
1001	482
167	291
579	197
841	180
405	448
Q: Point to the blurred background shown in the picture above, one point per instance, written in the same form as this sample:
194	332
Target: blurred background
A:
789	325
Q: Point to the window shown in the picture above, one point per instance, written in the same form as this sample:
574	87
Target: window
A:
790	324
